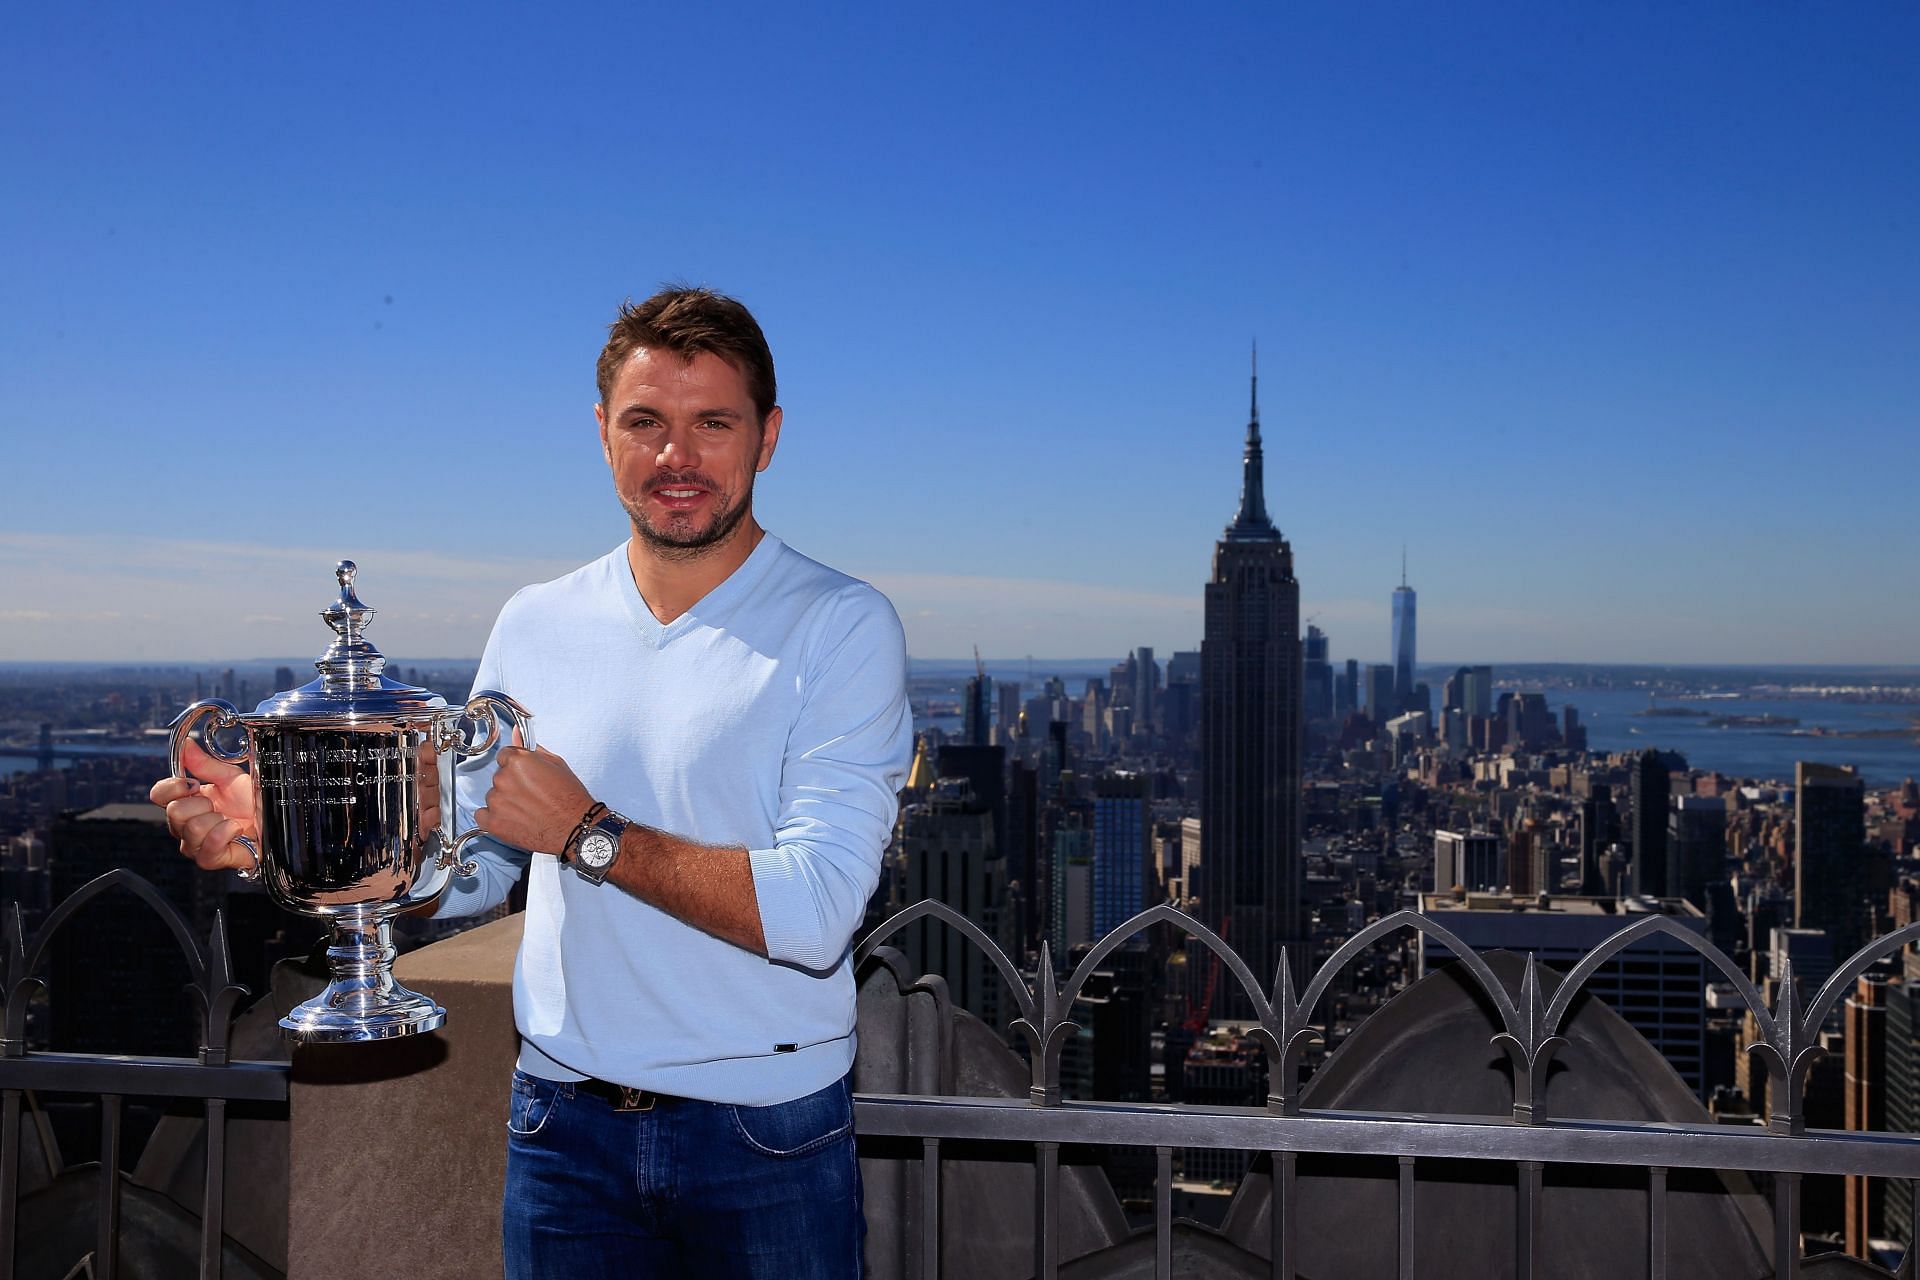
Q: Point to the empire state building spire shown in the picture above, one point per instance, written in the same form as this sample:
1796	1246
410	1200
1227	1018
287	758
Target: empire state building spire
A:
1252	524
1252	736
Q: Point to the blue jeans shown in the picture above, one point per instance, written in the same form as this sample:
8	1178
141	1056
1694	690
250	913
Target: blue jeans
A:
687	1189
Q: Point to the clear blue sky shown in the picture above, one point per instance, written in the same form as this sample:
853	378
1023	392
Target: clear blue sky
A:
1608	311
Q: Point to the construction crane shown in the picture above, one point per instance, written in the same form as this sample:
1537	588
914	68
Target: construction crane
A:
1197	1017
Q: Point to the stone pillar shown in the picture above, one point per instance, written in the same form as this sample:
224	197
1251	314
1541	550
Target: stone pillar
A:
399	1148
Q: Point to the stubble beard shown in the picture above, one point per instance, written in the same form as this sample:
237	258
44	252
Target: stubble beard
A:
689	544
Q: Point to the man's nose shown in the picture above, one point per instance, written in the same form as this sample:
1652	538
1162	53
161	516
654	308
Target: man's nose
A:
678	451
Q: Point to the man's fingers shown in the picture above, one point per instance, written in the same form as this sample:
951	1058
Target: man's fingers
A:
228	856
195	829
483	818
180	812
168	790
205	839
197	762
519	744
514	763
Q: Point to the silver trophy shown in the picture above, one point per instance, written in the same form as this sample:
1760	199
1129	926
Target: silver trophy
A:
347	831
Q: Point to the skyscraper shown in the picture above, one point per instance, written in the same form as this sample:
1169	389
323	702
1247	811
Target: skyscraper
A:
1696	847
1403	609
1318	690
124	993
1146	689
1382	701
1902	1056
1121	827
1006	712
1180	701
952	855
1830	881
976	712
1251	730
1573	734
1476	690
1652	790
1864	1099
1346	689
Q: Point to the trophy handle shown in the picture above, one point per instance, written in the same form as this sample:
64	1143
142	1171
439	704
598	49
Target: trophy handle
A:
486	708
224	715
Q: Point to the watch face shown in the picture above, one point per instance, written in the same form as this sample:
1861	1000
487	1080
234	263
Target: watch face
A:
597	850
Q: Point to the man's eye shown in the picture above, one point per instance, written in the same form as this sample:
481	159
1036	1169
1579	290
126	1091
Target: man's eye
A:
716	424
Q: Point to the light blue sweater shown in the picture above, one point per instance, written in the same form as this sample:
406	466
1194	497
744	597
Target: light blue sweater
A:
772	715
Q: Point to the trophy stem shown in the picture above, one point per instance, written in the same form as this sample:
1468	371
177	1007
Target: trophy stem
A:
362	1002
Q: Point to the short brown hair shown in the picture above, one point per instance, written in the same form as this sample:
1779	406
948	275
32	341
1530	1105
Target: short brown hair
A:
688	321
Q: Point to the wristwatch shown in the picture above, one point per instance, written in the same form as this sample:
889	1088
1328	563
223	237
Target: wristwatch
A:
596	843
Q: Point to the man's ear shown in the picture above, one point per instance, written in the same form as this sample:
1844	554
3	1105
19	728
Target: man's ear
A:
769	438
600	416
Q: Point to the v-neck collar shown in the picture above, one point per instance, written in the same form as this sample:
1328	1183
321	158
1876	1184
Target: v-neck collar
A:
711	609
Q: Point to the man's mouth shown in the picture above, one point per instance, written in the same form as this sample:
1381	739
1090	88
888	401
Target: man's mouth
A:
679	497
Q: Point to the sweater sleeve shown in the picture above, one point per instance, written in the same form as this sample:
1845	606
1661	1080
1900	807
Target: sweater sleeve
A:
845	761
497	865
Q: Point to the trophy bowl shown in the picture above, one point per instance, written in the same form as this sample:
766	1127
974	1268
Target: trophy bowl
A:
354	783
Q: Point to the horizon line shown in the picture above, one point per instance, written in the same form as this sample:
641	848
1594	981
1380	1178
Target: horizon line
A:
968	660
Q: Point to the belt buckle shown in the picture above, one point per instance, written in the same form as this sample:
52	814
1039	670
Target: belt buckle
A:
635	1099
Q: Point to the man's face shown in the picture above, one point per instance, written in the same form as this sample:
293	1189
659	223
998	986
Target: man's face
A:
685	442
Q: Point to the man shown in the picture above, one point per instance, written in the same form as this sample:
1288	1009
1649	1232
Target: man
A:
723	731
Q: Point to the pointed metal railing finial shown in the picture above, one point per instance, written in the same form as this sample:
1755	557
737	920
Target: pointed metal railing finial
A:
1786	1052
220	996
1049	1036
1287	1033
19	983
1530	1042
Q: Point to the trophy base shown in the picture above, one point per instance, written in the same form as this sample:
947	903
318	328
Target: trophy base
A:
362	1002
350	1016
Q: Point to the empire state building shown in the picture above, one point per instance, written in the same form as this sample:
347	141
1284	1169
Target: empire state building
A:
1251	731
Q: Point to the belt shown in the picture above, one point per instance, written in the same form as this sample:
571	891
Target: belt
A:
625	1097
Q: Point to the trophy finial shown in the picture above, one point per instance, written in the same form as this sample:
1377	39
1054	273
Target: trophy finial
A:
347	615
351	661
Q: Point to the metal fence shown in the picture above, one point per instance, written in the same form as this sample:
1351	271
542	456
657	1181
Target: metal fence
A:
210	1076
1283	1023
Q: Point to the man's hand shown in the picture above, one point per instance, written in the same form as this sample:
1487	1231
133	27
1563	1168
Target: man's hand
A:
535	801
206	812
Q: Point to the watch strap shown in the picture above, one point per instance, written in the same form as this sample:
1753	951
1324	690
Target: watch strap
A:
594	813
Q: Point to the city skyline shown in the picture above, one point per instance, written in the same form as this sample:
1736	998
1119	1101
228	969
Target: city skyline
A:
1557	299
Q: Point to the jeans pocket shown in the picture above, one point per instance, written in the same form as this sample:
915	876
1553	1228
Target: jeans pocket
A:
533	1105
799	1127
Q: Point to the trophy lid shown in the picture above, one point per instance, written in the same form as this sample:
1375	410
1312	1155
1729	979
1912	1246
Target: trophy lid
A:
350	681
